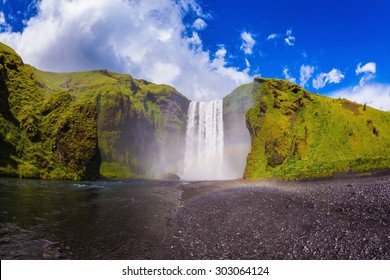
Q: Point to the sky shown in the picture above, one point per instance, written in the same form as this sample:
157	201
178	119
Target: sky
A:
206	48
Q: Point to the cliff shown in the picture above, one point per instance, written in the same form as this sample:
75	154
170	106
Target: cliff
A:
297	134
140	125
43	136
86	124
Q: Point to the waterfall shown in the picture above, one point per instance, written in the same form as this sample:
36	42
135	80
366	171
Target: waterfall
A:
203	158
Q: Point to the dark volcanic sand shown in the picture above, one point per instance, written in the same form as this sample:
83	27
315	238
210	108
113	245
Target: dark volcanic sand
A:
344	218
334	218
324	219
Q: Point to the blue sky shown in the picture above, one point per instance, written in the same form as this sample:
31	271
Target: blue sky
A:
207	48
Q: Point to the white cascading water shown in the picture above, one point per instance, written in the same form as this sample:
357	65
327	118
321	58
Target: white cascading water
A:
203	159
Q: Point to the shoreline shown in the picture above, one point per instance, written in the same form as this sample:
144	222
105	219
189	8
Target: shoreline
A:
340	218
346	175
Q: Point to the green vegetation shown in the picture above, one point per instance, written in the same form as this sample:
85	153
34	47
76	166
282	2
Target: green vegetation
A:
114	170
41	135
49	122
296	134
64	125
136	120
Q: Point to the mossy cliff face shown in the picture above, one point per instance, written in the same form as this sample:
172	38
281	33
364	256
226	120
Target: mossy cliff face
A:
141	126
296	134
43	136
64	125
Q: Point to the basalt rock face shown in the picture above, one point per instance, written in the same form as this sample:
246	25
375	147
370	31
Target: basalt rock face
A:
43	136
297	134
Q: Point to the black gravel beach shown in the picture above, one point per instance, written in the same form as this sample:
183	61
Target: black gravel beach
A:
324	219
345	217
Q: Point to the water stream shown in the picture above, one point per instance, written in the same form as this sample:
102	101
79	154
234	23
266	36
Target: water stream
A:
85	220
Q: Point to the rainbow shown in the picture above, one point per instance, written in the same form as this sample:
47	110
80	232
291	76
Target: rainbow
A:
206	193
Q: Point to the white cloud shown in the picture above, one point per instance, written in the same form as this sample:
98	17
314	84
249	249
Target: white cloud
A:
247	42
288	77
4	26
289	39
334	76
142	38
221	52
374	95
165	73
369	70
194	42
219	65
305	74
369	67
199	24
2	18
248	65
190	5
363	80
273	36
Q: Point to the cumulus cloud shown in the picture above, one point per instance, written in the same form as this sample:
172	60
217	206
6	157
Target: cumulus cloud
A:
288	77
289	39
369	70
369	67
374	95
194	41
305	74
334	76
142	38
199	24
219	65
247	42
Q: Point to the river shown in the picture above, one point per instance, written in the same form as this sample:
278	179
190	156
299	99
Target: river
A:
334	218
83	220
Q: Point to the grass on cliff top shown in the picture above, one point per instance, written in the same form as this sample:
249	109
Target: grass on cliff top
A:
7	50
88	83
297	134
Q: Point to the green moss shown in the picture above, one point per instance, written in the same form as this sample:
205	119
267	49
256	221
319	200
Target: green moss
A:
297	134
51	114
115	170
43	134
